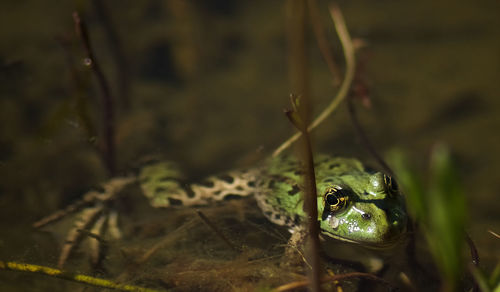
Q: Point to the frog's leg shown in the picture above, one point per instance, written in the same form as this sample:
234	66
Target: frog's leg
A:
162	183
94	218
294	251
164	187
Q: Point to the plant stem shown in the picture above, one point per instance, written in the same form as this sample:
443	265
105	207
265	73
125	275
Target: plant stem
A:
117	53
364	139
108	146
79	278
310	197
321	39
350	60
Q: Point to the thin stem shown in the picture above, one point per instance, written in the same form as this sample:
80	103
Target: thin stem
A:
310	197
108	151
299	116
298	52
311	207
494	233
473	250
117	53
323	45
305	283
79	278
217	231
350	60
365	140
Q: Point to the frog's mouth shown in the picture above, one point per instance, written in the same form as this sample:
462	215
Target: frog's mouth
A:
385	244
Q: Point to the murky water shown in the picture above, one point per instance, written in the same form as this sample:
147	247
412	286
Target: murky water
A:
204	85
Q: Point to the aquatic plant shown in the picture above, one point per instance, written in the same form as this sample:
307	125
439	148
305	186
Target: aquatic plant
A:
437	203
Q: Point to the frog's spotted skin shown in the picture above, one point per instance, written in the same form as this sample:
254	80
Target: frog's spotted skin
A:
162	183
354	205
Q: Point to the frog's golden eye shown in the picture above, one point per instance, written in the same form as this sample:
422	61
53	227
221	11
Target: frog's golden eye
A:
391	184
335	199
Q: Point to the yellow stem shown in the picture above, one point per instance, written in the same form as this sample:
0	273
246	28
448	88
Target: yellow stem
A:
80	278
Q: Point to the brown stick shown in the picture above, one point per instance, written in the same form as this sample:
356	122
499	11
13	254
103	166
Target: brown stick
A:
117	53
108	147
299	116
304	283
310	197
298	60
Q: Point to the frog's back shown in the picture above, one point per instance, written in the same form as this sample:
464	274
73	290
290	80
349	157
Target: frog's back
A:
279	192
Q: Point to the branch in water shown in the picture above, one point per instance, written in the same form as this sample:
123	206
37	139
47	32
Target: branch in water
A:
108	147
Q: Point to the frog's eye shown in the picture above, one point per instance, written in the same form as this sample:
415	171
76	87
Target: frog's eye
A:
391	184
335	199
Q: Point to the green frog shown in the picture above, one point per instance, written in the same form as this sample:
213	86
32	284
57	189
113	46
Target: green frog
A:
354	205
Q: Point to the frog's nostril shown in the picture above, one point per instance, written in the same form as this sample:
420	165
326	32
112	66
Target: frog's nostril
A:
366	216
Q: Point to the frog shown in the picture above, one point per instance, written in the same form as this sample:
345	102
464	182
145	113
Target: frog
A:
355	204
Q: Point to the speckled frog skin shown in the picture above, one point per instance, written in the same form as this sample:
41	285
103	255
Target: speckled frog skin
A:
354	205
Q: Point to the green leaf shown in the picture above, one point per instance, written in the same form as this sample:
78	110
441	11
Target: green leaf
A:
446	204
410	183
439	207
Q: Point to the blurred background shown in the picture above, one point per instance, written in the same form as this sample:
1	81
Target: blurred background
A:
204	83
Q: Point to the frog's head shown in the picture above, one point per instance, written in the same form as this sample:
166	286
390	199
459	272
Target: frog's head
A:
361	207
